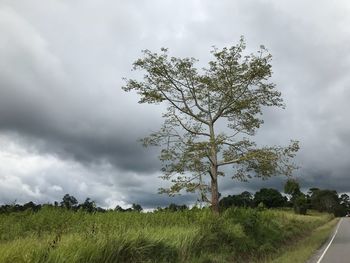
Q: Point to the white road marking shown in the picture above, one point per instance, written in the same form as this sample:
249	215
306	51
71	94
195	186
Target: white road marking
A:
330	242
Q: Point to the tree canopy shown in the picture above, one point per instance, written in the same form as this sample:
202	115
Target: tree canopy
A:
325	200
211	116
244	199
69	201
269	197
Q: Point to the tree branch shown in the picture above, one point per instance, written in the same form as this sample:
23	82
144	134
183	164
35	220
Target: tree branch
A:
188	109
228	162
188	129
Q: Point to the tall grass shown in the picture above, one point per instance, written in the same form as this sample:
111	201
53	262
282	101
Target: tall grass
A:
59	235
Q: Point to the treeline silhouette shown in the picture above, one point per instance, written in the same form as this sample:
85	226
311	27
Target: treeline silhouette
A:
71	203
68	202
322	200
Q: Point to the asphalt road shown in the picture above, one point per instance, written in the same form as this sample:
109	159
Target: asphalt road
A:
338	251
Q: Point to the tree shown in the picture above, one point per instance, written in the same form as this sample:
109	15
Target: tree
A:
231	91
69	201
292	188
88	205
137	207
324	200
269	197
345	201
313	190
300	204
297	198
118	208
245	199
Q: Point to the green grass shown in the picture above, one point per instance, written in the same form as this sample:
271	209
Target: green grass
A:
238	235
301	251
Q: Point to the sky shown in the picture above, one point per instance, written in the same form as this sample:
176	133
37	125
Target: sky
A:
66	126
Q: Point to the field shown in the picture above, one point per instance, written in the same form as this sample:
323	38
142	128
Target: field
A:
238	235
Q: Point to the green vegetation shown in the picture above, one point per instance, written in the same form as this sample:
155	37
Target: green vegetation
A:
321	200
302	251
297	198
56	234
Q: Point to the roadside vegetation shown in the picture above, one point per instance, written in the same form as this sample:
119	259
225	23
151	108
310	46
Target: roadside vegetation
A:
302	251
56	234
263	227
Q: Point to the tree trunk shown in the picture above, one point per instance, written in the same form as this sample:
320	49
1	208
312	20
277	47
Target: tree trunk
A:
214	172
214	195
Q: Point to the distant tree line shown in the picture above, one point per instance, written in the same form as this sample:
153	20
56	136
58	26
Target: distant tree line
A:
68	202
322	200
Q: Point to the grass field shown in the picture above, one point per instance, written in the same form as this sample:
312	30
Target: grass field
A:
238	235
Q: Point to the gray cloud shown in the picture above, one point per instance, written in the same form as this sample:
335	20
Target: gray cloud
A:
61	70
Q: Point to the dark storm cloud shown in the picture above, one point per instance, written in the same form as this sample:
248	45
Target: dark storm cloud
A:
61	70
69	117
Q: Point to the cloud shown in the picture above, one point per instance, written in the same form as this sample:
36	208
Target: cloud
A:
67	127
